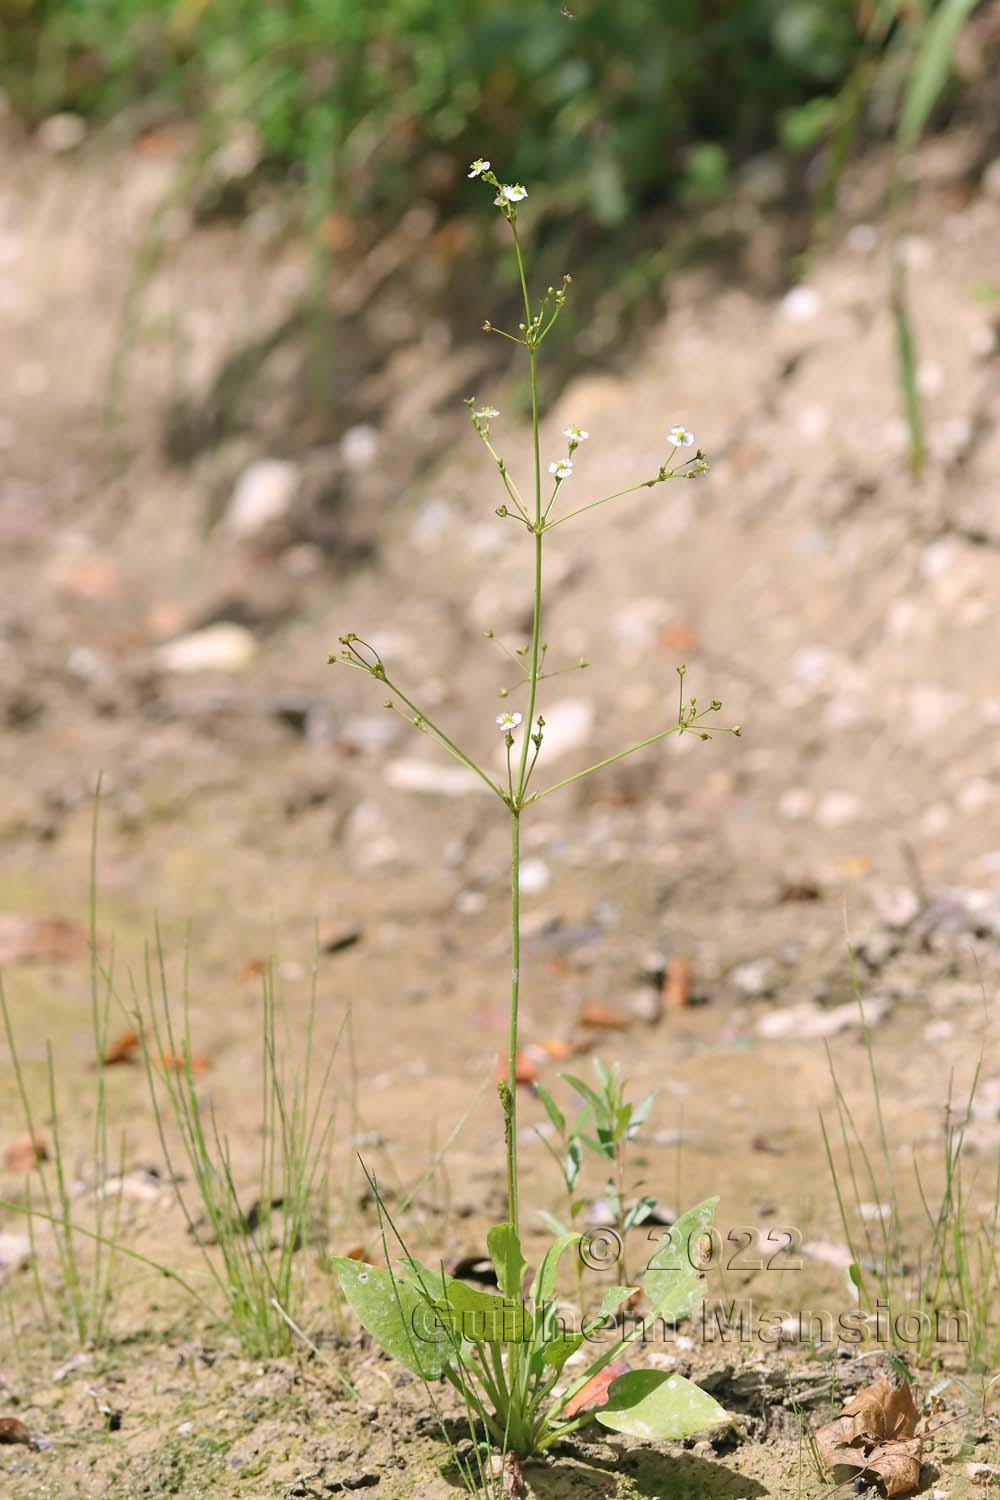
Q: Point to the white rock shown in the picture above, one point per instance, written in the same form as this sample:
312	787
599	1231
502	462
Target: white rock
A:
435	779
807	1022
15	1251
755	978
533	877
795	803
897	905
359	445
568	726
800	304
225	647
62	132
862	238
838	808
264	492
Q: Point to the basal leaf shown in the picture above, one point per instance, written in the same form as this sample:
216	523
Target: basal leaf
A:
508	1262
671	1282
397	1315
654	1404
552	1109
544	1283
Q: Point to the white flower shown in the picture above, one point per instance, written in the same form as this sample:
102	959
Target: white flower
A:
507	723
576	434
486	412
478	167
680	437
511	192
563	469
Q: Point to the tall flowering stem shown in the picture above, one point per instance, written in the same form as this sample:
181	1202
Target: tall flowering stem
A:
536	515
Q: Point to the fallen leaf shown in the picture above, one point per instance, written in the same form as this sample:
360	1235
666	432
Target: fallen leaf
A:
121	1049
602	1018
12	1430
338	232
178	1063
24	1154
677	984
558	1050
356	1252
27	939
253	968
884	1409
525	1068
875	1434
595	1393
678	638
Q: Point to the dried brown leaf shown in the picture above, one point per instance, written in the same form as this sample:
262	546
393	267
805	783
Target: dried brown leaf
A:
883	1410
677	984
602	1018
122	1049
13	1430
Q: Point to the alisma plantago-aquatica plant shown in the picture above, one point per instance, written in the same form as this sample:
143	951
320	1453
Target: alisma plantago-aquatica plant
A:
505	1356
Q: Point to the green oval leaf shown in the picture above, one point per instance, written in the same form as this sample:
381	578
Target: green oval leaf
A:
673	1285
397	1315
655	1404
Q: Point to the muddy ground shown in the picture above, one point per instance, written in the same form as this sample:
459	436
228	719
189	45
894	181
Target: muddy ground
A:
844	614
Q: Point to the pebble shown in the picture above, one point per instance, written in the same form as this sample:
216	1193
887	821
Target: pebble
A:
800	305
795	803
533	876
61	133
808	1022
225	647
359	445
756	978
568	726
264	493
897	905
835	809
434	780
15	1251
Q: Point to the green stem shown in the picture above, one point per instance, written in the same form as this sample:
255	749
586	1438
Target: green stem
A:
644	484
579	775
515	990
443	739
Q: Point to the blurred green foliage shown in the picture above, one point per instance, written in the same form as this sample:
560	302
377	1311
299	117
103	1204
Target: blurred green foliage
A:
613	103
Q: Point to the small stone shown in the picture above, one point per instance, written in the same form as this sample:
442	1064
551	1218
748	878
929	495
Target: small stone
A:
264	493
225	647
431	778
15	1251
568	726
897	905
470	903
756	978
795	803
836	809
62	133
359	445
809	1022
533	876
800	305
938	1031
862	238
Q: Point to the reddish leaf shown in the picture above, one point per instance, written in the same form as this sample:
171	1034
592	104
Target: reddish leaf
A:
678	638
602	1018
121	1049
558	1050
356	1252
525	1068
677	984
177	1064
25	1153
594	1394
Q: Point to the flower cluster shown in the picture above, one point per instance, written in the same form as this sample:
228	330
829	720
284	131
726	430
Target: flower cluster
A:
509	194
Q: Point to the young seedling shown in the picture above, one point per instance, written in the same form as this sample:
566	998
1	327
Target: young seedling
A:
506	1357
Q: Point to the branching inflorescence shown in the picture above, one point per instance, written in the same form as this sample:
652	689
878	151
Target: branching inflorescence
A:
513	1383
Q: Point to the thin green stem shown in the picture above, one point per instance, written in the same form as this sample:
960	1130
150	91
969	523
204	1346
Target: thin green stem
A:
644	484
515	991
443	739
579	775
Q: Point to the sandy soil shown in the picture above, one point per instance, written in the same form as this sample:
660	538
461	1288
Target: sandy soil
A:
845	615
